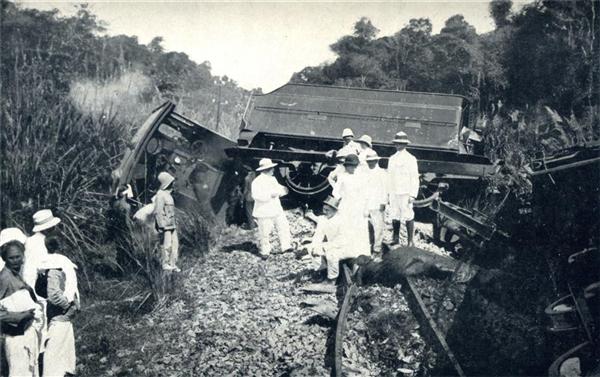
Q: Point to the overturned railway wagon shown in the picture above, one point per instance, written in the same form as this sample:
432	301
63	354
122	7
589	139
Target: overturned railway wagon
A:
296	125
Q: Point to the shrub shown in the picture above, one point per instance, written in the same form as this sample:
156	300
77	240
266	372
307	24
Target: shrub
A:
55	157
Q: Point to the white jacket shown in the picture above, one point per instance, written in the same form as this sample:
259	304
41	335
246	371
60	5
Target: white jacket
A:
362	157
403	173
333	239
265	205
352	147
377	187
35	254
334	175
59	261
351	189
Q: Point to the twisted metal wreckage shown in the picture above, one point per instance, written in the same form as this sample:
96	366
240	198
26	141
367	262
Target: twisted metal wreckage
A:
548	240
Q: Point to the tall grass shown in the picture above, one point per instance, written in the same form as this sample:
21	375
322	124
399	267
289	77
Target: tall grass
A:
53	156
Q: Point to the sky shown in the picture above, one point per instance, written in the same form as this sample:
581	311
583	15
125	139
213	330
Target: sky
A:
260	44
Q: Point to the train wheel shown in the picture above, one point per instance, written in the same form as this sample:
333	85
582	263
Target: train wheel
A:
307	178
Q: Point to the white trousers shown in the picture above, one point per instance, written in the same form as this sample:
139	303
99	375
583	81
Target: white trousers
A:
265	226
330	255
376	218
170	247
59	357
22	353
400	207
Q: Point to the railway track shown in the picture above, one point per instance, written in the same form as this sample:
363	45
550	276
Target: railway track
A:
417	306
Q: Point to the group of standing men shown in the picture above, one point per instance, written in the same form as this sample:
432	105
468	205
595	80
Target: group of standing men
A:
353	222
38	300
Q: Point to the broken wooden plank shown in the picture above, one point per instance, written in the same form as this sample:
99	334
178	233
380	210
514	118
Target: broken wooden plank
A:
319	288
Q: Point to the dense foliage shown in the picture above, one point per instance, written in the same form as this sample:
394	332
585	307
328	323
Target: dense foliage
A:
71	97
544	54
533	81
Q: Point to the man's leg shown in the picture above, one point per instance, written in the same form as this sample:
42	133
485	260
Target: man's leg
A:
371	233
410	231
166	249
396	232
395	215
174	249
265	225
333	267
378	223
283	229
408	215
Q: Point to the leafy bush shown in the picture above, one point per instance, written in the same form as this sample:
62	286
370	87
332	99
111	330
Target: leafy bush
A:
53	156
70	98
194	233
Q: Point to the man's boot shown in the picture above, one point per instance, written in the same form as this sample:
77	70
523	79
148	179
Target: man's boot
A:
410	231
396	232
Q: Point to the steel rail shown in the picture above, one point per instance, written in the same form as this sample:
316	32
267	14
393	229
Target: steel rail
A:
425	319
340	329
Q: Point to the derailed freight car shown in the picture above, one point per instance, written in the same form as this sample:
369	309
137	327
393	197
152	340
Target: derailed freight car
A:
296	125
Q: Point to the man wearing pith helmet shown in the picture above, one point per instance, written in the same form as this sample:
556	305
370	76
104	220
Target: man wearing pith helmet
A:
267	211
350	146
331	242
403	175
164	217
44	223
377	199
352	209
366	144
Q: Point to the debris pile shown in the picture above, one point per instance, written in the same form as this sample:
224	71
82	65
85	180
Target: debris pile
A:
386	334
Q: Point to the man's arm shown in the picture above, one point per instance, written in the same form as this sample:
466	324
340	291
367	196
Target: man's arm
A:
14	318
337	188
332	177
159	211
383	189
55	294
414	178
389	178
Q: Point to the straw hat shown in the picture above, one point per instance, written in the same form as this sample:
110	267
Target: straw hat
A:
340	155
265	163
372	156
351	160
12	234
331	202
347	132
366	139
401	138
165	179
44	219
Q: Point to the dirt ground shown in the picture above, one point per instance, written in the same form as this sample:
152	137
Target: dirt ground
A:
233	314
